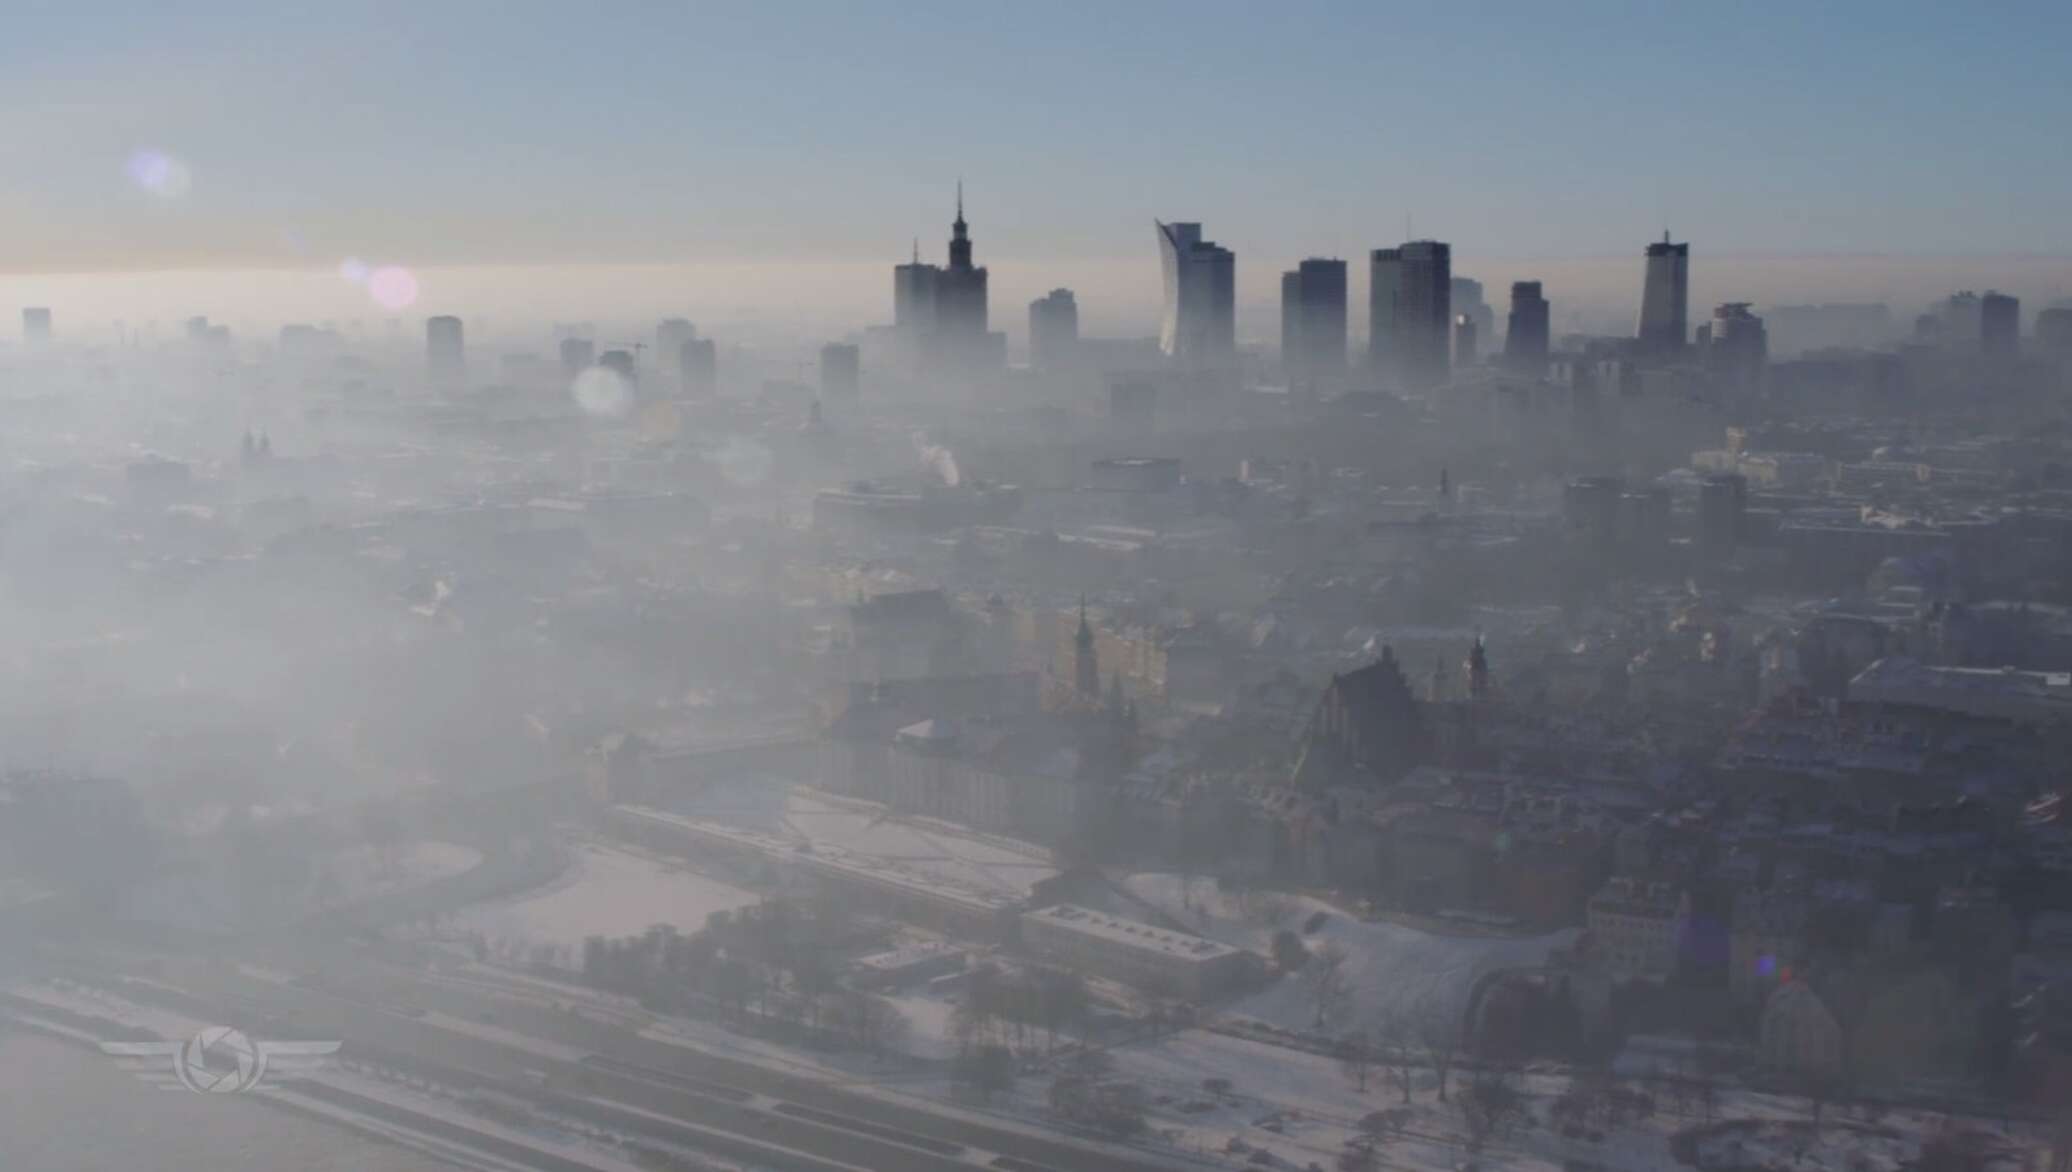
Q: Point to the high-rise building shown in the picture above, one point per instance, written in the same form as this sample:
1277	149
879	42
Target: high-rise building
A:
577	355
1525	337
1384	287
913	297
670	335
1053	330
1200	322
619	362
2000	324
1313	323
1468	299
940	313
2053	331
1665	299
697	365
841	371
35	324
1424	315
960	296
1736	346
1464	344
445	356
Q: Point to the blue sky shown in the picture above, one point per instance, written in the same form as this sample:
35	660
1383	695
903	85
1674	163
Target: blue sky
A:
457	133
515	132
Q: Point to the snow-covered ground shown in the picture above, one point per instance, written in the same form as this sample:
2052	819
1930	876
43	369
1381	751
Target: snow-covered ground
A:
606	891
1389	968
944	851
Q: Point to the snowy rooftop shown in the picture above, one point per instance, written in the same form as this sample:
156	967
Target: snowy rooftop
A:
1134	933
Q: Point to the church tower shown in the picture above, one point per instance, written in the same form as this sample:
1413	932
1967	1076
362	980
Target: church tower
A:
1086	672
1478	671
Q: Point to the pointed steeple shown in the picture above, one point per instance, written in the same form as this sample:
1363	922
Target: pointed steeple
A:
960	235
1086	670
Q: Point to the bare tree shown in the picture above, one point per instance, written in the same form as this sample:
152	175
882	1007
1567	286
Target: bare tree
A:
1327	983
1439	1035
1395	1053
1356	1058
1490	1106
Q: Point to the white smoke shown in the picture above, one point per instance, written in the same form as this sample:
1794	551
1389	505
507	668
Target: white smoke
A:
937	459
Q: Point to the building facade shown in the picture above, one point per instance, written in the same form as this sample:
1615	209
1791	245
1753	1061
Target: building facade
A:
1199	326
1665	299
1527	331
1313	323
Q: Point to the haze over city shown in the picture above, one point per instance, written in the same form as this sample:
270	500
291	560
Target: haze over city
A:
1076	588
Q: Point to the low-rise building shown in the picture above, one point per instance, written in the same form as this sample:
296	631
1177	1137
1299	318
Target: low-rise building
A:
1133	952
1638	925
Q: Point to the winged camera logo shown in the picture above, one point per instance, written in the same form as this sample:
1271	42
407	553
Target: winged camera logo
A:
219	1060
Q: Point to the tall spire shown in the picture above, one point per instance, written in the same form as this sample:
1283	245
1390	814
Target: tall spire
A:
960	200
917	250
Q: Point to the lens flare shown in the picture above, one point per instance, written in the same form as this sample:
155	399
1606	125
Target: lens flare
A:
392	287
159	174
603	392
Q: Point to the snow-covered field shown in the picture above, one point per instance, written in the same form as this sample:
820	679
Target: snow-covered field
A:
1389	968
605	892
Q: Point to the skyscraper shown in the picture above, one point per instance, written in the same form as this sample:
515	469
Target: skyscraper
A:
913	297
35	324
1665	299
1053	329
670	335
1999	324
1313	322
940	313
1424	315
1465	352
2053	331
960	296
577	355
1200	323
1384	287
1737	348
1525	343
445	358
697	365
1468	299
841	371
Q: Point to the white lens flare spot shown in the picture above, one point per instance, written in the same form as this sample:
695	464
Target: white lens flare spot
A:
392	287
353	269
603	392
159	174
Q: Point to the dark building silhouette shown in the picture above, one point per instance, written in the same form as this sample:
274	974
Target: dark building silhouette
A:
577	355
1424	315
1086	670
670	335
1999	325
1313	323
1735	346
444	352
1384	288
841	371
1526	335
1665	299
940	313
697	368
619	362
1464	341
2053	331
1366	729
1053	330
35	324
1200	322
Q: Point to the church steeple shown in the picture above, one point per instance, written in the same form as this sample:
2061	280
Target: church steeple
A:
1086	671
